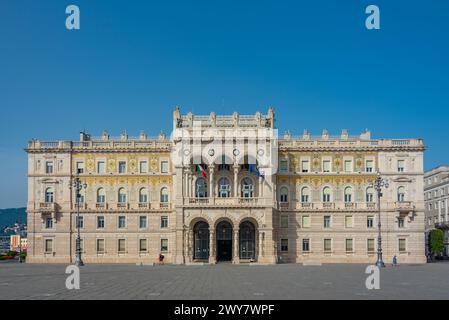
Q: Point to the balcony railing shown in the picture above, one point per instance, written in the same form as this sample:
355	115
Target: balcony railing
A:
164	205
335	206
406	206
284	205
47	207
222	202
144	206
101	206
122	205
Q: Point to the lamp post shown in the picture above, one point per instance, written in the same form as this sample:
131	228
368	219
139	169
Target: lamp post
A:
78	186
378	184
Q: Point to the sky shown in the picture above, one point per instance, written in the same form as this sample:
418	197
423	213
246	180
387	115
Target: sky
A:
132	62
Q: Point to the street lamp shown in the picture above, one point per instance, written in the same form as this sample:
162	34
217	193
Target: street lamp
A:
78	186
378	184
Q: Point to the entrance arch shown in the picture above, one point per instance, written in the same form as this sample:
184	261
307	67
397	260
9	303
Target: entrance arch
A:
201	241
247	241
224	241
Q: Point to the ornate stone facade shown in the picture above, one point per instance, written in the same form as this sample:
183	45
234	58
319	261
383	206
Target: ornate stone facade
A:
316	207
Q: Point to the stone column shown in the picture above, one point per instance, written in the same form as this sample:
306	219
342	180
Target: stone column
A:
446	210
439	211
259	244
236	176
260	187
236	247
211	182
212	247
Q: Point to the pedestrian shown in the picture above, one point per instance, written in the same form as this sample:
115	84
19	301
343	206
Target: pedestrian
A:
395	261
161	258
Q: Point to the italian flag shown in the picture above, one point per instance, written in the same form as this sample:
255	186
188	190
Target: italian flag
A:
200	169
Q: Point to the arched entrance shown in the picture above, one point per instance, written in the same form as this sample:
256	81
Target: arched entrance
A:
224	241
247	241
201	241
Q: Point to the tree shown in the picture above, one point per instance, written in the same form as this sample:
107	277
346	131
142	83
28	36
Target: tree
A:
436	241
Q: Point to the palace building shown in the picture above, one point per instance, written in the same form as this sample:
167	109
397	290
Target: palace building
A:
225	188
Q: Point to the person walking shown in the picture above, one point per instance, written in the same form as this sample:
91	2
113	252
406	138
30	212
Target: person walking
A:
395	261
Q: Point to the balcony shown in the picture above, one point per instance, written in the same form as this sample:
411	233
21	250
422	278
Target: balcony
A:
284	205
144	206
122	206
404	206
335	206
164	205
47	207
101	206
227	202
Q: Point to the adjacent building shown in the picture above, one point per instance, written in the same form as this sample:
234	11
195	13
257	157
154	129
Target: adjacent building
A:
213	192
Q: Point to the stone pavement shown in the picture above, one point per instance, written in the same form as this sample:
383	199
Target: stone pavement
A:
224	281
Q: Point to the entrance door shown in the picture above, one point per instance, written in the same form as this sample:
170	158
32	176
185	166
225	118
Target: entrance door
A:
201	239
247	237
224	241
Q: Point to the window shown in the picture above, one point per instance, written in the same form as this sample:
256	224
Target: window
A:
284	165
100	245
49	195
326	194
370	245
121	222
349	221
48	245
305	167
143	195
100	222
142	222
305	245
164	245
284	245
370	222
247	188
284	221
79	222
164	222
143	245
326	166
305	195
121	195
400	222
306	221
143	167
49	167
224	189
101	167
349	245
121	167
164	166
284	195
49	223
348	165
327	221
369	166
80	167
201	188
121	247
327	245
101	196
370	195
401	165
402	245
401	194
348	194
164	195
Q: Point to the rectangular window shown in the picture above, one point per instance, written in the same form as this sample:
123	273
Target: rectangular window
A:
349	245
122	167
402	245
121	245
143	167
164	166
79	222
327	245
401	165
400	222
349	221
370	222
326	166
327	222
100	222
100	245
142	222
305	166
370	245
369	166
143	245
80	167
284	245
49	167
306	221
164	222
48	245
164	245
121	222
284	221
284	166
101	167
305	245
348	166
49	223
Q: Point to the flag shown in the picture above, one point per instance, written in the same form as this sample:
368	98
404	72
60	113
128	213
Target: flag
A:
253	168
199	169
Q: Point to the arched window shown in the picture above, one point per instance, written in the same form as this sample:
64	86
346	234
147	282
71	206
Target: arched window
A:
401	194
326	194
305	195
370	194
201	188
101	196
121	195
284	194
224	188
49	195
164	195
247	188
143	195
348	194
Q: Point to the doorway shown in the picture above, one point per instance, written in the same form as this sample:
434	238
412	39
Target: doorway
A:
224	241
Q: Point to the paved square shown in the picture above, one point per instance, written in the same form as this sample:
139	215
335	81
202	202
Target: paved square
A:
224	281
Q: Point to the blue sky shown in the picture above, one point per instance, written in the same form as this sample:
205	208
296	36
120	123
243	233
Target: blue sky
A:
133	61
